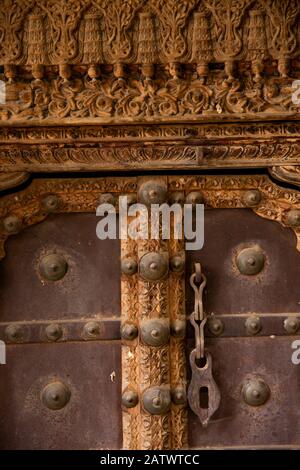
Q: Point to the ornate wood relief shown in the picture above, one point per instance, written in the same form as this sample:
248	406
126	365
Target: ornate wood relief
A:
147	365
82	195
148	60
153	146
156	84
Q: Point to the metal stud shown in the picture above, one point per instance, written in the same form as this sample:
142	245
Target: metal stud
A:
252	198
129	331
53	332
255	392
153	192
177	197
195	197
157	401
215	326
16	333
250	261
253	325
179	396
129	266
292	325
155	332
130	399
293	217
131	198
56	395
107	198
12	224
178	328
154	266
53	267
177	263
91	330
51	203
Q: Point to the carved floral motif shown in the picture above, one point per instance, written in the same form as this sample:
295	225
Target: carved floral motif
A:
130	60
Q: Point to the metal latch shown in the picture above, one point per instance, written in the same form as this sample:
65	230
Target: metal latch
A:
203	394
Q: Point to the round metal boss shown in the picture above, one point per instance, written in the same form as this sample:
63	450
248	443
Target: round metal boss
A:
216	326
292	325
129	331
153	192
128	266
53	332
253	325
16	333
178	328
107	198
153	266
91	330
177	263
51	203
293	217
195	197
53	267
155	332
12	224
131	198
252	198
56	395
255	392
177	197
179	396
157	401
130	399
250	261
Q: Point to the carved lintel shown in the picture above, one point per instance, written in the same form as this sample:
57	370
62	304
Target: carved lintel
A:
64	154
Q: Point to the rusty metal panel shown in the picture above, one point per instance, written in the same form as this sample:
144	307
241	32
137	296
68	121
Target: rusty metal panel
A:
92	417
274	290
90	287
84	362
237	424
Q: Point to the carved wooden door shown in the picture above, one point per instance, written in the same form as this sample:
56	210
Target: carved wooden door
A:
63	291
200	101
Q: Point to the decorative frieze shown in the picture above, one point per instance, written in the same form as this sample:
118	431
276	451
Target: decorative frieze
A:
155	59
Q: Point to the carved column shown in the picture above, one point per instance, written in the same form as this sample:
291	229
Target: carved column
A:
154	370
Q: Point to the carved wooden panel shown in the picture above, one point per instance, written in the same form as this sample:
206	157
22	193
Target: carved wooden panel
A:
102	60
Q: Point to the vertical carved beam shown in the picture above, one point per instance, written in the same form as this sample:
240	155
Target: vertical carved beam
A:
177	344
130	376
154	362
